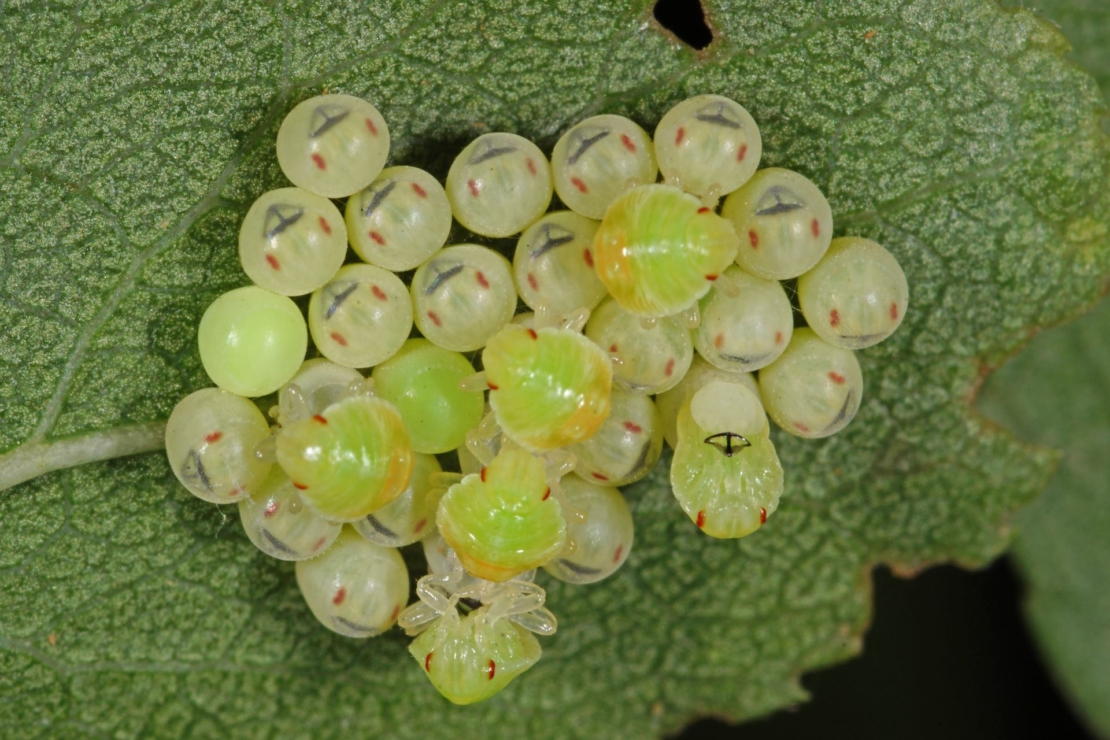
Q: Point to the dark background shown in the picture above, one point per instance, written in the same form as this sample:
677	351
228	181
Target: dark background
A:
947	654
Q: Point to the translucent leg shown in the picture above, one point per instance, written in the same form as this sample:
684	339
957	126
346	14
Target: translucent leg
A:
266	451
559	463
727	285
292	404
443	479
649	322
712	196
576	319
484	440
541	621
475	383
691	317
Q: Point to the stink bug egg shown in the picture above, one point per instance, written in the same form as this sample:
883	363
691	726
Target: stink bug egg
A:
210	441
598	543
658	250
549	388
499	184
318	384
747	330
503	521
252	341
351	459
422	381
814	389
333	145
470	659
292	241
553	265
279	524
361	317
783	221
462	296
402	219
599	159
725	474
356	588
856	296
411	515
709	145
645	361
627	445
701	373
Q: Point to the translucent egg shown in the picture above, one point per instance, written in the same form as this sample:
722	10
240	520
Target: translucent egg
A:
292	241
553	265
279	524
599	541
499	184
356	588
411	515
700	374
658	250
210	441
783	221
856	296
645	360
400	220
361	317
462	296
708	145
599	159
814	389
747	329
333	145
316	386
627	445
252	341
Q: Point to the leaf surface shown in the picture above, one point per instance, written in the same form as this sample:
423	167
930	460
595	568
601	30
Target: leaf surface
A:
134	136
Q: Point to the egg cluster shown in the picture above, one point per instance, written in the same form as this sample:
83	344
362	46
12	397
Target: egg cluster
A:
650	311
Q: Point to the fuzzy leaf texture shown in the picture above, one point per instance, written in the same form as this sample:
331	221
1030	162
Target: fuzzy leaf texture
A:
133	137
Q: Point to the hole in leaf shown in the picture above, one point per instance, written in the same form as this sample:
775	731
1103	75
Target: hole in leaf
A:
686	20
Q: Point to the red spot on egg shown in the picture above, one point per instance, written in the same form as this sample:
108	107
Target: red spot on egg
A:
893	311
435	318
588	257
837	378
579	185
742	153
815	227
482	279
669	369
546	494
320	163
395	613
319	419
379	293
533	282
419	190
599	476
719	341
711	278
213	437
419	526
473	188
482	475
613	348
762	515
532	333
492	669
300	486
377	237
703	209
628	143
633	427
339	339
373	129
754	239
319	543
531	165
834	318
701	519
340	595
618	553
778	337
679	136
325	225
428	662
491	386
273	262
271	509
801	427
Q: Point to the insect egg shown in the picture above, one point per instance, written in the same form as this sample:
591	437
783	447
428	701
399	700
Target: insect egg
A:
645	361
701	373
292	241
356	588
725	473
210	441
279	524
503	521
499	184
856	296
709	145
784	223
627	445
553	264
462	296
658	250
351	459
361	317
746	331
601	539
318	384
252	341
549	388
411	515
599	159
422	381
333	145
814	389
400	220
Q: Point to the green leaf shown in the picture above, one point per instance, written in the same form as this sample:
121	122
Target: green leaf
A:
1085	23
132	139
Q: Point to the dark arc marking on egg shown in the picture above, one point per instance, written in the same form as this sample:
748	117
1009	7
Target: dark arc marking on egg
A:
581	570
275	543
714	114
379	198
354	626
730	438
641	461
333	115
192	469
584	143
553	236
778	192
492	153
744	360
339	298
442	276
380	528
840	415
279	211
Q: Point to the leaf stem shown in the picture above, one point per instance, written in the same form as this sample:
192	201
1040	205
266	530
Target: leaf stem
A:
38	458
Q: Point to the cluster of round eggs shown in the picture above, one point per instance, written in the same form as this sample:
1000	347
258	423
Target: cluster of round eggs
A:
650	312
